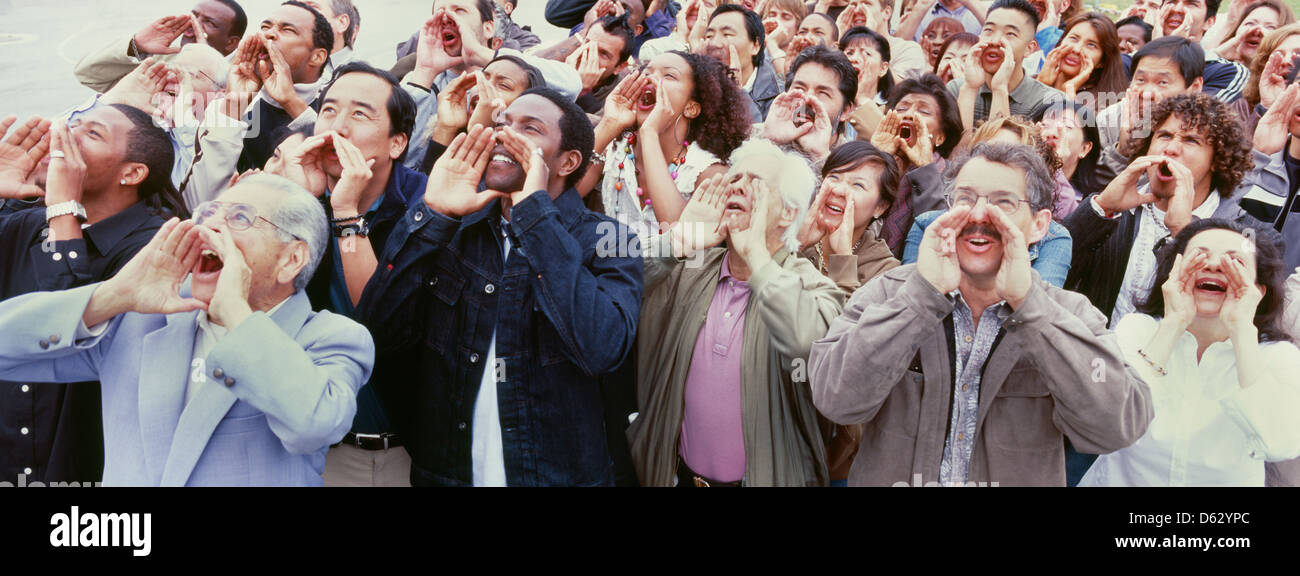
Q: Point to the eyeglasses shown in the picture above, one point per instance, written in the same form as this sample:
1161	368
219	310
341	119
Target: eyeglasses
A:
1006	202
238	216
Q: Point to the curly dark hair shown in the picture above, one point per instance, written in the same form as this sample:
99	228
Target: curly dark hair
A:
723	122
1219	123
1270	272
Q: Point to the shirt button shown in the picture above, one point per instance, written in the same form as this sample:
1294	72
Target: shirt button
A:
218	373
23	430
57	256
473	358
489	288
461	426
27	471
72	254
969	339
26	388
961	435
964	387
54	338
726	314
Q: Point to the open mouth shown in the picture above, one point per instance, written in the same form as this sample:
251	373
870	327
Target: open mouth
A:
648	98
1172	23
906	130
1071	60
979	238
209	266
501	157
834	206
993	56
736	204
1164	172
1211	285
803	115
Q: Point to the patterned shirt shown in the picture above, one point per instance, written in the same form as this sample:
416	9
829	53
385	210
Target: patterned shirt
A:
973	348
1140	273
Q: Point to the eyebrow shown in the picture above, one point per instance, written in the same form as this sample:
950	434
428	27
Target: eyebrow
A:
357	103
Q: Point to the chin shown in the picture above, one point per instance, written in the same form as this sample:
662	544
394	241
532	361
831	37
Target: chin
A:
202	289
979	265
504	179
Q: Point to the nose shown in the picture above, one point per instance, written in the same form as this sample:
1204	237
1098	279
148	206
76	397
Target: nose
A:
980	212
269	35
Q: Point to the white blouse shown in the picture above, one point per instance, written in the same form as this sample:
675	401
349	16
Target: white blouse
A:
628	207
1207	430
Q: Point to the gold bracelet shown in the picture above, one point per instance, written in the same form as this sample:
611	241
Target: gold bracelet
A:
1159	370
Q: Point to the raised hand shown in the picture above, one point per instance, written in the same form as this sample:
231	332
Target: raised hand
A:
431	59
1051	67
588	65
229	304
1273	129
67	170
818	133
1242	301
530	160
20	152
814	227
1181	205
138	88
1085	72
841	239
1122	193
1273	80
200	34
700	225
150	283
1014	278
886	135
620	105
1180	307
243	80
453	107
936	260
157	37
453	183
661	117
345	198
278	80
779	126
973	74
1001	81
922	152
304	164
748	236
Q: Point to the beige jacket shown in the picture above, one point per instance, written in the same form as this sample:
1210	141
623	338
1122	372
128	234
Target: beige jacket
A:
1056	372
101	69
790	306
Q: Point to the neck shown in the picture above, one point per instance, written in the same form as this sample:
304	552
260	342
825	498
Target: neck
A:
554	189
339	45
1068	166
269	301
1207	331
747	71
103	206
671	138
979	293
375	188
1202	194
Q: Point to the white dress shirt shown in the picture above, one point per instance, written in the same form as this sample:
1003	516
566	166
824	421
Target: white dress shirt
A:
1207	430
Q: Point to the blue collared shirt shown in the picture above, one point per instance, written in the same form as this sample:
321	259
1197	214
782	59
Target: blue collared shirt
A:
973	345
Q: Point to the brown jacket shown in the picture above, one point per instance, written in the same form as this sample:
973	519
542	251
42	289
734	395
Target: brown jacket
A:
849	272
790	306
1056	372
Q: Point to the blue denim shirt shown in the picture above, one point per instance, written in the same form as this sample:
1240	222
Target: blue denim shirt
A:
564	309
1050	256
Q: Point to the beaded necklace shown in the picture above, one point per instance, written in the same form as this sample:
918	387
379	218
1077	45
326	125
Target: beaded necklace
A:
673	166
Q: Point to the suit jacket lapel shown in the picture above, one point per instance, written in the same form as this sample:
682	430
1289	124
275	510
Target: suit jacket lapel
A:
168	352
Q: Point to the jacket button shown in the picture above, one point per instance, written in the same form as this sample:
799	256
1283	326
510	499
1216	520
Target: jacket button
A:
24	432
26	388
57	256
218	373
230	382
54	338
461	426
489	288
473	358
419	216
27	471
433	282
45	344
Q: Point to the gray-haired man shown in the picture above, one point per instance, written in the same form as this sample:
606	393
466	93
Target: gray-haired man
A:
915	346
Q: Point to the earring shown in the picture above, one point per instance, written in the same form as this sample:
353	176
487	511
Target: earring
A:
122	182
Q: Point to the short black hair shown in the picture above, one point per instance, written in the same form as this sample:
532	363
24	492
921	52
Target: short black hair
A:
833	60
322	34
1022	6
401	107
150	145
949	116
882	46
619	26
576	132
753	28
535	77
1211	8
1188	55
1135	21
486	13
238	24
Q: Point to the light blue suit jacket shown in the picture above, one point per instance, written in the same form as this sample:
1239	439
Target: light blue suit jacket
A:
286	388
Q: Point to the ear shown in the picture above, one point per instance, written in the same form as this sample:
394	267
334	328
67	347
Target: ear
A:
1032	47
133	173
1038	226
569	161
1197	85
639	30
884	69
691	110
232	43
292	261
396	145
1087	148
495	43
318	58
881	207
788	213
343	22
489	28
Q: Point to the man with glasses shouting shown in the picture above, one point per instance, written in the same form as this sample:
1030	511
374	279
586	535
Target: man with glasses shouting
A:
214	369
966	367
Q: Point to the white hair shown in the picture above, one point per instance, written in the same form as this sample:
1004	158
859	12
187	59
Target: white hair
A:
795	181
199	56
299	216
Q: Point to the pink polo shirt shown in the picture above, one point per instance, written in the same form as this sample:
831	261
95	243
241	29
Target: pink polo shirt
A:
713	437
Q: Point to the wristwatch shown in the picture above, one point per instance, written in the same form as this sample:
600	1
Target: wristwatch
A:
357	228
71	207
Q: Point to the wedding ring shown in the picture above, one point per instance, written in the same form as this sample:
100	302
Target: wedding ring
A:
57	155
537	152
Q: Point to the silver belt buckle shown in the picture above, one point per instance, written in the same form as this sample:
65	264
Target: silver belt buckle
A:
375	436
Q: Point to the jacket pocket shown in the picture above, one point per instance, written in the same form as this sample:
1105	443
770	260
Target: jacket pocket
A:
446	288
1020	418
901	412
550	346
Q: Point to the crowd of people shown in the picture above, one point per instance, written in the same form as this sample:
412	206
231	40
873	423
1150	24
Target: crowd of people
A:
697	243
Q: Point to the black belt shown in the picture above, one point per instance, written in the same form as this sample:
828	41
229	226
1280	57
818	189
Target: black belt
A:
372	441
687	478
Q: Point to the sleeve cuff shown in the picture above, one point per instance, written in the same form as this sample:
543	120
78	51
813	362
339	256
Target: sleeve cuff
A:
536	207
1096	208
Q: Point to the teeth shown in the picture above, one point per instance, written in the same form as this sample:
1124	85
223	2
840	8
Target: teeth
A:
503	158
978	241
208	253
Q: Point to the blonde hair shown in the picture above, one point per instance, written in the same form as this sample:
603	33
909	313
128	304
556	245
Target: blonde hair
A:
1024	129
1266	47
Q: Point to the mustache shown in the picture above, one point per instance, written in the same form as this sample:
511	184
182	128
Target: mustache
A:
980	229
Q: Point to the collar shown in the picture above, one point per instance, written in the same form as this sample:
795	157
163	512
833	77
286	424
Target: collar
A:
726	269
1000	307
569	204
1205	210
108	232
307	91
216	331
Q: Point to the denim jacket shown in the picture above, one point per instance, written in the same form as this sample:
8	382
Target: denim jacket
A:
568	317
